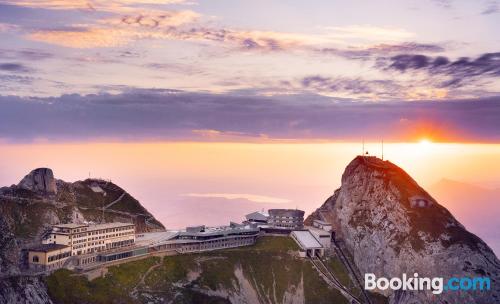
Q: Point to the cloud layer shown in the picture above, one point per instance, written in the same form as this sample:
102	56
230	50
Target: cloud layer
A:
176	115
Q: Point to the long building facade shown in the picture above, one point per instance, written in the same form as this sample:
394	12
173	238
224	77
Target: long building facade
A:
201	238
84	246
80	244
85	238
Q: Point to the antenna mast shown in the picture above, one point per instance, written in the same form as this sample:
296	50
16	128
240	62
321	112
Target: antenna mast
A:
363	147
382	149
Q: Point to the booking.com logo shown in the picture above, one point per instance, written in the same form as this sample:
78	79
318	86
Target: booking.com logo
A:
436	285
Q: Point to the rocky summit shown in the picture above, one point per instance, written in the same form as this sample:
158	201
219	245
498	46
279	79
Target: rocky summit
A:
390	225
39	180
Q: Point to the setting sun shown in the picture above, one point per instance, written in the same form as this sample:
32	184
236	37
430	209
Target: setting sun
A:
424	142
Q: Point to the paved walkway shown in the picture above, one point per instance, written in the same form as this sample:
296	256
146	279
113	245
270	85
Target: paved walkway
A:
116	200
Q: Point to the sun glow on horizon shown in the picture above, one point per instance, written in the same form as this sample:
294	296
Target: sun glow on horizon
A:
425	143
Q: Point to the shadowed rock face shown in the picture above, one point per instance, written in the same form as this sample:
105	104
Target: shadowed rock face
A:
39	180
373	215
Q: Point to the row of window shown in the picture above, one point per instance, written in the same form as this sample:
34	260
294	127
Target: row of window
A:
88	260
52	258
287	224
285	217
100	232
227	243
59	256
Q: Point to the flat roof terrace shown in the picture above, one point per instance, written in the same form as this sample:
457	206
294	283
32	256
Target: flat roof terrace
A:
109	225
154	238
306	240
70	225
48	247
93	227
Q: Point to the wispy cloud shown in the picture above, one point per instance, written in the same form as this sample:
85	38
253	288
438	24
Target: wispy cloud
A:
369	33
5	27
370	89
491	8
384	49
25	54
116	31
459	70
83	37
91	5
444	3
14	67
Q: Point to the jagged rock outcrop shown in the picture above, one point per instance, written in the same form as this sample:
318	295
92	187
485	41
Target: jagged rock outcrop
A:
391	226
24	289
39	180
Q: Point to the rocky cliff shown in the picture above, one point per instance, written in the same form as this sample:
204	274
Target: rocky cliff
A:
390	225
39	180
29	208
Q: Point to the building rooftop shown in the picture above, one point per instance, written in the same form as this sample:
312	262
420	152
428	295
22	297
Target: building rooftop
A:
306	240
91	227
257	215
109	225
318	231
219	230
152	238
48	247
70	225
286	212
157	238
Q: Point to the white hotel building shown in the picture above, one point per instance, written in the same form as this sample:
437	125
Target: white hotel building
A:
84	238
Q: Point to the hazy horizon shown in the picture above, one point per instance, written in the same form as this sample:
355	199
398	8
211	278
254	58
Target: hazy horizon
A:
214	183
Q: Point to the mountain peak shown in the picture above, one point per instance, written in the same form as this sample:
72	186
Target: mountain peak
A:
390	226
39	180
367	169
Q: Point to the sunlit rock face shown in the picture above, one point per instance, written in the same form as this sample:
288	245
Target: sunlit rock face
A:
375	215
39	180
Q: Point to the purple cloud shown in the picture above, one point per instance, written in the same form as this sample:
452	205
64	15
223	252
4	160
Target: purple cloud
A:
382	50
460	70
14	67
177	115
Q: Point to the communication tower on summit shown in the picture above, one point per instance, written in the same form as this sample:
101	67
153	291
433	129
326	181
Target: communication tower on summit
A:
382	149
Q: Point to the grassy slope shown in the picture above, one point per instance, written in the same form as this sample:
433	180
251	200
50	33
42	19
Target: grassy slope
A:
269	267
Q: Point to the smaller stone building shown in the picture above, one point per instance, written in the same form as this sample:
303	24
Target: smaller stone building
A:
48	257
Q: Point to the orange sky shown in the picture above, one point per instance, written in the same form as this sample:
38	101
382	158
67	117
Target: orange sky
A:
251	168
167	176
